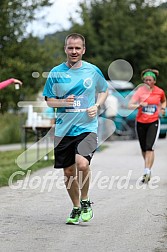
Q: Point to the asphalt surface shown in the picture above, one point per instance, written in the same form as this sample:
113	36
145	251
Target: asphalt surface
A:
127	216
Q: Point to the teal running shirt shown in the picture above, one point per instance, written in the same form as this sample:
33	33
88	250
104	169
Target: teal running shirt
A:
84	83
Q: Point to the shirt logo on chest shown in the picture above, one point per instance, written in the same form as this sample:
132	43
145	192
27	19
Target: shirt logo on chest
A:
87	83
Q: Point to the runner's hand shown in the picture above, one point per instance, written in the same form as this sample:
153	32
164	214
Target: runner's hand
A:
92	111
70	100
16	81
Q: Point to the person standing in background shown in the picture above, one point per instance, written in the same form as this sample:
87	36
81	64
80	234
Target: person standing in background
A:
150	101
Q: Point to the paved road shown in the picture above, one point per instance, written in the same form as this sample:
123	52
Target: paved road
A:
128	218
9	147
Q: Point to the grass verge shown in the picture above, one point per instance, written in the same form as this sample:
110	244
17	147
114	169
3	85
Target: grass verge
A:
8	165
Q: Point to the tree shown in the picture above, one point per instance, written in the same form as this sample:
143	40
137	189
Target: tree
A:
19	52
133	30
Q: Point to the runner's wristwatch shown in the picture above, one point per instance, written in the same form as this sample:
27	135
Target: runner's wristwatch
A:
97	105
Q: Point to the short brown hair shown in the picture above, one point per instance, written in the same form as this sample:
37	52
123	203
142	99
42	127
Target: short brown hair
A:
75	36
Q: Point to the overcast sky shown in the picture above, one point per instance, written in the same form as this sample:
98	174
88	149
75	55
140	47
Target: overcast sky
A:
57	15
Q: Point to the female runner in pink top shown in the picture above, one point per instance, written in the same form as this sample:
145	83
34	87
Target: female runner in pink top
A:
150	101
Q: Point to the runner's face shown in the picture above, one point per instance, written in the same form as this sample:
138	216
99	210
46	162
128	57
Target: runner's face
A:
74	50
149	80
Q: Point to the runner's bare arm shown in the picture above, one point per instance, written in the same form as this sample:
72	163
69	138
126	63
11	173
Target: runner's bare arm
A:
92	111
57	103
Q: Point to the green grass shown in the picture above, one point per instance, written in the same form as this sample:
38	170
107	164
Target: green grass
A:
11	130
8	166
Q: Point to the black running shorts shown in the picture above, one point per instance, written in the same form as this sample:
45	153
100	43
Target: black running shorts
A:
148	134
65	148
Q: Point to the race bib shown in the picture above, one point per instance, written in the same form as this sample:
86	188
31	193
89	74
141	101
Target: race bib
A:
80	104
149	110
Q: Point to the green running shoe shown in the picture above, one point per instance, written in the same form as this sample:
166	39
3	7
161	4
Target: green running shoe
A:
74	216
146	178
86	210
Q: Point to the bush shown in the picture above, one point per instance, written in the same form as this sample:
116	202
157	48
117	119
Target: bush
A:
11	128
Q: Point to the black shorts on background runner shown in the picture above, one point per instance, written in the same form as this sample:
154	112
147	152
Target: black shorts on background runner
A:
67	147
148	134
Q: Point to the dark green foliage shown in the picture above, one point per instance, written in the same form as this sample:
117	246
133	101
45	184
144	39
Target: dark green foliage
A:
10	125
20	53
132	30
